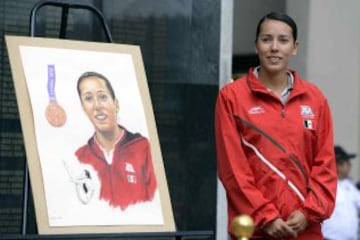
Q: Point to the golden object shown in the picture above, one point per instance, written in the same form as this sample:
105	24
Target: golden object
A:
243	227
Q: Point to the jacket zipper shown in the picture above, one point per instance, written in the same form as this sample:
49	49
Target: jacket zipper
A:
283	112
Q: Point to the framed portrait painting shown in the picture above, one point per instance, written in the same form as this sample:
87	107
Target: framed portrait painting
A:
90	136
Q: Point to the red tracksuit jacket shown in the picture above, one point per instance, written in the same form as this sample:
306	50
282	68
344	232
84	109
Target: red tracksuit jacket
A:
130	177
275	158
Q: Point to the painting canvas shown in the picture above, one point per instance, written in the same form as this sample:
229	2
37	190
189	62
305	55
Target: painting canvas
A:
90	135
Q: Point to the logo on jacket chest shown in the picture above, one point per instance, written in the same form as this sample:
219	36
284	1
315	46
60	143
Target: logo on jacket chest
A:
256	110
308	116
306	111
129	167
130	173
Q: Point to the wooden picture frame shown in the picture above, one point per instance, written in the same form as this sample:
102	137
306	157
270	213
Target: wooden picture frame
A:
45	71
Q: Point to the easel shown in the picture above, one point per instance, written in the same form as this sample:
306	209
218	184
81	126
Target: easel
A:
66	5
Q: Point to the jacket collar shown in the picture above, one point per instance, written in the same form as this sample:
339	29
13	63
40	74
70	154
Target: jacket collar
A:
256	86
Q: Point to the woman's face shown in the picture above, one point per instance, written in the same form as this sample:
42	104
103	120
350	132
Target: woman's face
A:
275	45
98	104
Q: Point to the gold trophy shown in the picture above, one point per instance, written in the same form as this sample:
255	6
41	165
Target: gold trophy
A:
243	227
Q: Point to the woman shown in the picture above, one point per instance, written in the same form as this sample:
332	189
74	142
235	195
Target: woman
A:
121	159
274	140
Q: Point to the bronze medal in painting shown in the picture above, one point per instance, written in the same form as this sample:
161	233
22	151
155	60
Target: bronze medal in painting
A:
54	113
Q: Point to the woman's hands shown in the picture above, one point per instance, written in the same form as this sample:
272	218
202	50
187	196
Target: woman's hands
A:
294	225
279	229
297	221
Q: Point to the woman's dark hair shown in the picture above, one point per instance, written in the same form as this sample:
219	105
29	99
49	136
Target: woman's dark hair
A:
278	16
95	74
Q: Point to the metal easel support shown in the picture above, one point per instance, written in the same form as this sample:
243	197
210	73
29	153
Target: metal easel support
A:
66	5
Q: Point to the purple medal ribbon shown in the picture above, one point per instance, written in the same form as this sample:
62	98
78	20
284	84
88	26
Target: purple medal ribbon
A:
51	83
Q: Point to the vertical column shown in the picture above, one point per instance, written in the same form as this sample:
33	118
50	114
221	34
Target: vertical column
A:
226	35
